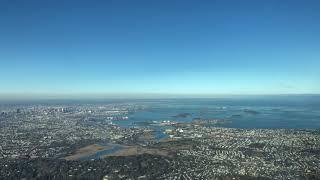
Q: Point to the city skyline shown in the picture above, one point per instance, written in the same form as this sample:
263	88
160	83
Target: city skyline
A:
147	48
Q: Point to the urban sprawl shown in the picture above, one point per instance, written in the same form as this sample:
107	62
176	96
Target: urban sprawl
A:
85	142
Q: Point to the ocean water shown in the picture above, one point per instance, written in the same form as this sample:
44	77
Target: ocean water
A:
279	111
292	112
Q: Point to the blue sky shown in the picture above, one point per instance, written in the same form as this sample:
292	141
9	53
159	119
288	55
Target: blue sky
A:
165	47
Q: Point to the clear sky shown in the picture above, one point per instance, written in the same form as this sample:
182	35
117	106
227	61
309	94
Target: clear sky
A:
159	46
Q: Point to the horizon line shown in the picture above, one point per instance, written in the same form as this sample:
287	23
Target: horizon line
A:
57	96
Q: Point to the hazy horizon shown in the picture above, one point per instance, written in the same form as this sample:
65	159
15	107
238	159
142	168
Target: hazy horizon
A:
76	96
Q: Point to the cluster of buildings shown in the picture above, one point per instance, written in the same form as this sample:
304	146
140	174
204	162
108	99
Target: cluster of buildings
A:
52	131
34	135
269	153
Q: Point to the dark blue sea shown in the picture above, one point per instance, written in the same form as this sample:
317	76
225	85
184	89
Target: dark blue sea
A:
291	112
279	111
